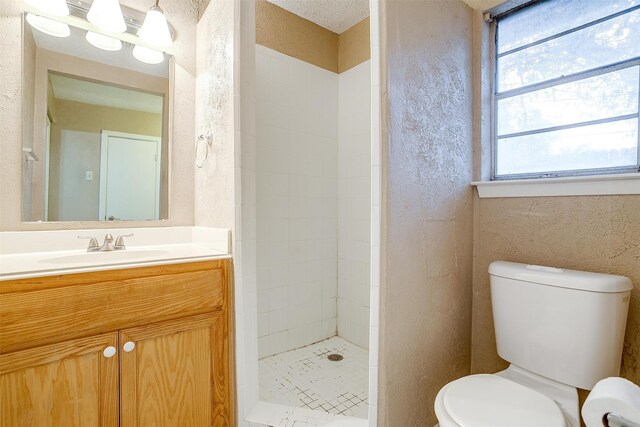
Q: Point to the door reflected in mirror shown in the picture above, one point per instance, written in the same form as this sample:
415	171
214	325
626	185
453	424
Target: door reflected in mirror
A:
95	131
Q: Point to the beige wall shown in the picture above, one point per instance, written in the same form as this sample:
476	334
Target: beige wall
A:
288	33
591	233
353	46
427	206
599	233
182	15
281	30
95	118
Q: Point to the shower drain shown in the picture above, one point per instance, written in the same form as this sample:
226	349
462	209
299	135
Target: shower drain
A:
335	357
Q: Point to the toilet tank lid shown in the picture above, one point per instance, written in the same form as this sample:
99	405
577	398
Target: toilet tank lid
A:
560	277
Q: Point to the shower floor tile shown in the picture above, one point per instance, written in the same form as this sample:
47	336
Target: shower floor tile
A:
304	377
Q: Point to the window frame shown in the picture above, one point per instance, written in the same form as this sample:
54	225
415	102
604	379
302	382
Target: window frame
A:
495	97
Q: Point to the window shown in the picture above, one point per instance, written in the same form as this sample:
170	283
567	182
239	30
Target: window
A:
567	89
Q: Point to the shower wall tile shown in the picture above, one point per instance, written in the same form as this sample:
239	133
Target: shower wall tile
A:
297	202
354	203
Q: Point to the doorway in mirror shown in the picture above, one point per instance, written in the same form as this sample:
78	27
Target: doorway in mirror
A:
129	176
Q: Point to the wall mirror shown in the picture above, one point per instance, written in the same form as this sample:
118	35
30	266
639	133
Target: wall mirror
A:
95	120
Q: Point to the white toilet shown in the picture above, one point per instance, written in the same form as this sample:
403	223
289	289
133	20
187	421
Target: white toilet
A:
559	329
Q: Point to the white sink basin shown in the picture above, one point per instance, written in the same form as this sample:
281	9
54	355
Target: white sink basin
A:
127	255
28	254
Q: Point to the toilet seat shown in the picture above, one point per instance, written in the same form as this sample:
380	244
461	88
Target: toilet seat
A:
492	401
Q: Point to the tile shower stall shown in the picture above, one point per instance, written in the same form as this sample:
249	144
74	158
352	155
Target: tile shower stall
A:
313	233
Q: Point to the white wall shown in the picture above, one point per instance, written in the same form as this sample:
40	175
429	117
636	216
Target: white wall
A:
297	150
354	203
77	198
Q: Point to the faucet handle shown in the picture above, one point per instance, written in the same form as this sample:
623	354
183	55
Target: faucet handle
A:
120	241
93	243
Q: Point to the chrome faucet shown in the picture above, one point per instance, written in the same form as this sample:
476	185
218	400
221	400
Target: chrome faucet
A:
93	243
120	246
107	245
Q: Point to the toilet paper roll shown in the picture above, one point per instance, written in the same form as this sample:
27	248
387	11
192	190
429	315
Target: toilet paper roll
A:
613	395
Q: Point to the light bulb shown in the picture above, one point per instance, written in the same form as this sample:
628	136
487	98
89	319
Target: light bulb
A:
54	7
107	15
155	29
146	55
48	26
103	42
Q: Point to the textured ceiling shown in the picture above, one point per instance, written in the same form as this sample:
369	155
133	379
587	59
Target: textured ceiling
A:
335	15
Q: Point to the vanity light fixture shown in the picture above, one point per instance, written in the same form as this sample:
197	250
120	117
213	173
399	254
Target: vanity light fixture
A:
155	32
107	15
148	56
48	26
155	29
103	42
54	7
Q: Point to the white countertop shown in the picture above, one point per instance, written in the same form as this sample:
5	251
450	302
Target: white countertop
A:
27	254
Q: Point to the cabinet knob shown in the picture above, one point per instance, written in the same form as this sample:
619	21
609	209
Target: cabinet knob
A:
128	346
109	351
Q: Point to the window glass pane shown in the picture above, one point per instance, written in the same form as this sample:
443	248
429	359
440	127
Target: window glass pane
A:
611	41
550	17
599	146
604	96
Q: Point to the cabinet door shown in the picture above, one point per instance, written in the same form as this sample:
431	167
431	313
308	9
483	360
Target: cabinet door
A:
73	383
175	373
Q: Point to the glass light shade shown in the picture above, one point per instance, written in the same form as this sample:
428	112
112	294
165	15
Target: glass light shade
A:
54	7
155	29
48	26
146	55
103	42
107	15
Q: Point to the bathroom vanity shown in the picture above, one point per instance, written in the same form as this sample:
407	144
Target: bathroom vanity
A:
129	344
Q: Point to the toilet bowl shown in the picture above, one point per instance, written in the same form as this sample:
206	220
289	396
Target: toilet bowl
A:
560	330
513	397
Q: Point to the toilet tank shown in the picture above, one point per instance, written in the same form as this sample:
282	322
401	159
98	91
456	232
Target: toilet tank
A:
565	325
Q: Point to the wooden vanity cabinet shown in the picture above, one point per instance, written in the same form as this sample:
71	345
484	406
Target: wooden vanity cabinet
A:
65	384
138	347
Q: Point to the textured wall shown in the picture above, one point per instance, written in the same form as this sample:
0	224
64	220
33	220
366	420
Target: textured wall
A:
182	15
214	204
427	206
594	233
11	113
